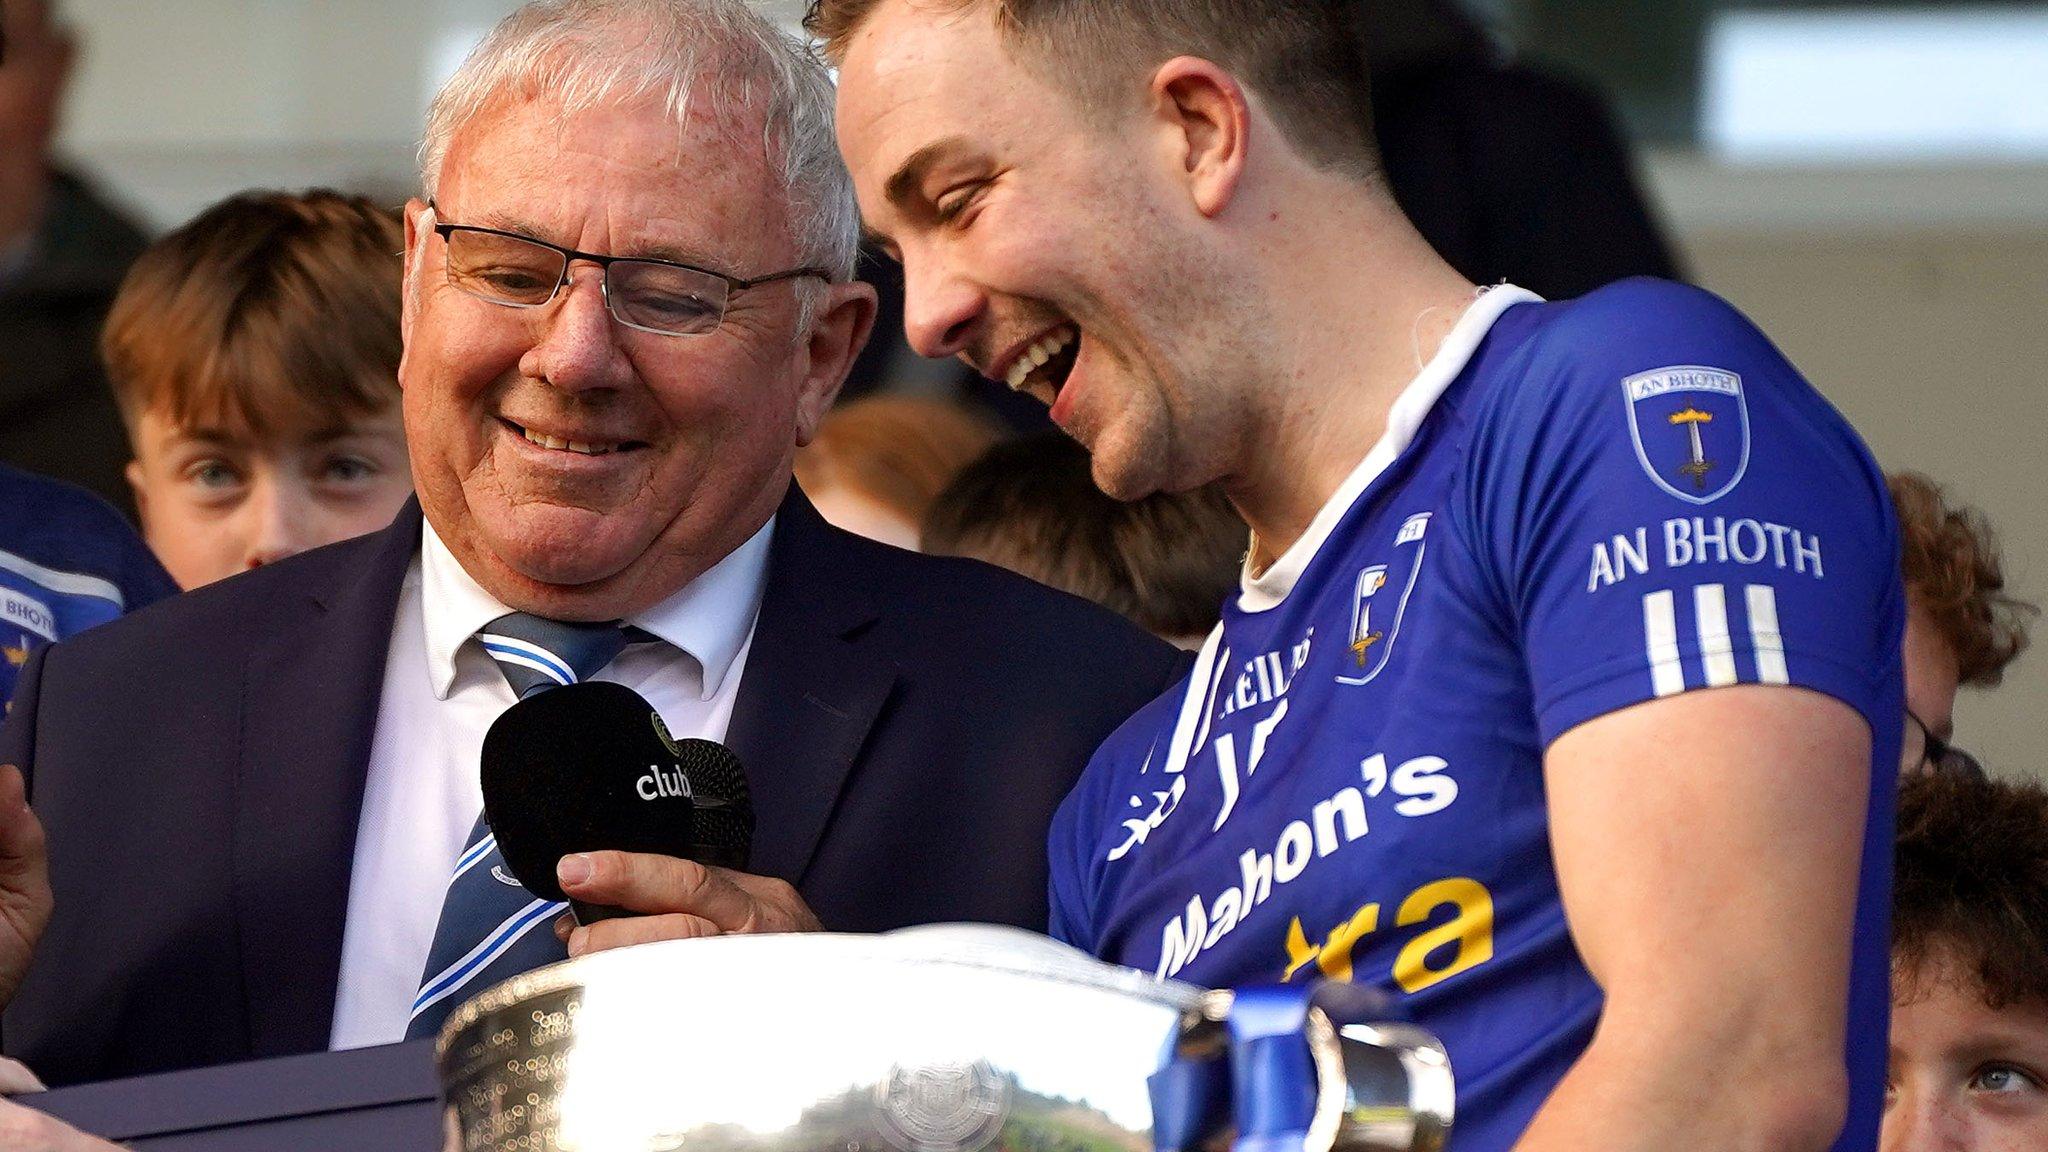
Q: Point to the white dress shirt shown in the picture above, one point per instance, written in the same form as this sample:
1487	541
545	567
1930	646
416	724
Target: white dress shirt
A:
441	693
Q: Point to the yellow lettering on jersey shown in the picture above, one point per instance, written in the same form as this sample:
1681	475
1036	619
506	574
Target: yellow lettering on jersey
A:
1335	960
1299	953
1333	956
1470	928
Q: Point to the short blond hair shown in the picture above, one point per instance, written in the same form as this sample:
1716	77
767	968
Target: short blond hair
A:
1301	56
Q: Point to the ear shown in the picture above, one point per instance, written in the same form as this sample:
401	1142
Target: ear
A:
419	222
840	329
1206	124
133	473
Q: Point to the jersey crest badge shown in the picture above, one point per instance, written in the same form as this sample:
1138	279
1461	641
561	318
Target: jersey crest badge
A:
1691	430
1375	613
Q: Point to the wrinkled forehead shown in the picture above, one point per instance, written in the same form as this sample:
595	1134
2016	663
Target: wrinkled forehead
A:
641	179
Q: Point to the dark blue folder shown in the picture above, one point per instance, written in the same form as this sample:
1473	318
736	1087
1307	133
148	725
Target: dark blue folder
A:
382	1098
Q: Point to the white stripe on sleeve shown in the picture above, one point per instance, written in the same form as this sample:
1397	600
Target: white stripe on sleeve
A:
1660	631
1764	635
1717	651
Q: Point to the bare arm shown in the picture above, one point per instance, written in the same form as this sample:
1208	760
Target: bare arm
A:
1707	848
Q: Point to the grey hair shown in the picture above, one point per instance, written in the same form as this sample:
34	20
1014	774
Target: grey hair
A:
593	53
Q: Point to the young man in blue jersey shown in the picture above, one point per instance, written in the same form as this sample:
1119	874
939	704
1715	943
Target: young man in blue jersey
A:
1562	695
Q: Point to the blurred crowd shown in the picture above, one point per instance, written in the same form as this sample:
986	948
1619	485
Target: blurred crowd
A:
233	385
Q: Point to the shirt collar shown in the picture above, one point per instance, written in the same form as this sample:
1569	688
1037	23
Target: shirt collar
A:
710	617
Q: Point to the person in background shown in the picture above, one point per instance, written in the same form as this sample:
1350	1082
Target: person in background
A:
1961	626
1969	1029
878	462
68	561
1165	562
62	252
1511	171
254	352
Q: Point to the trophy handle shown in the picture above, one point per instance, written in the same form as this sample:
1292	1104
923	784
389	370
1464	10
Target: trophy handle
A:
1293	1069
1381	1087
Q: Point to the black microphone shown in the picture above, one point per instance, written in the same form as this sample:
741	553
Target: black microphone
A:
589	767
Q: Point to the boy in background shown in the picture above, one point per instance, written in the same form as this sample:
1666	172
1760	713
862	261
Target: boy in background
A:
1969	1032
254	353
1165	562
878	462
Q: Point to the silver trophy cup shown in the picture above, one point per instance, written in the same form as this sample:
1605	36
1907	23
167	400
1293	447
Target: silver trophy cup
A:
948	1039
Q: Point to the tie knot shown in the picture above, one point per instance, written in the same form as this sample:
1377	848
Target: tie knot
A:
536	653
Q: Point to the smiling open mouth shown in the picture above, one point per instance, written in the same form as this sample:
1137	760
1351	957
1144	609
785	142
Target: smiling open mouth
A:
1042	369
580	447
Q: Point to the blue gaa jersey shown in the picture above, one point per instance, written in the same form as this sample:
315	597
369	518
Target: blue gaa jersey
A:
67	562
1577	507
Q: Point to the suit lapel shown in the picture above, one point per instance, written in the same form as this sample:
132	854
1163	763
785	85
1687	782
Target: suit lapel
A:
810	691
309	712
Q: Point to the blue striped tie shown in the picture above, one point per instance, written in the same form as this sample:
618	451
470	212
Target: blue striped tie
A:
492	929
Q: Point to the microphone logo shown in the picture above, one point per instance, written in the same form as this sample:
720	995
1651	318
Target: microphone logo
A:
661	730
655	783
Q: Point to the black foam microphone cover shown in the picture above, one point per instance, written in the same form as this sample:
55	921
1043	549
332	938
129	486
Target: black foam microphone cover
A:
589	767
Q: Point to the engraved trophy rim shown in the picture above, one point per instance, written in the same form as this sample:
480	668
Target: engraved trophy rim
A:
987	947
929	1039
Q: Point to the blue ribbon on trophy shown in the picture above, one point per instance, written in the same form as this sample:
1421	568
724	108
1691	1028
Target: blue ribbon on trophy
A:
1266	1065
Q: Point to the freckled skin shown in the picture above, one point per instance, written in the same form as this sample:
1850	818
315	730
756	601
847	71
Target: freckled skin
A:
714	420
1965	1077
230	501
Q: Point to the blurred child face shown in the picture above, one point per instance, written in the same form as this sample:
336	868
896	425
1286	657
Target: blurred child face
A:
1965	1077
843	507
215	502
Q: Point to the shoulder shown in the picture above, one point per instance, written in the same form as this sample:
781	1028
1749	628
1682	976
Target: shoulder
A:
71	532
1139	747
25	494
961	626
1621	324
973	604
29	499
1644	397
1560	361
1137	743
1102	797
91	232
221	617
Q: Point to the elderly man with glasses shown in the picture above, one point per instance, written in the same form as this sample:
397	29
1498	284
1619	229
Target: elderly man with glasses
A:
627	303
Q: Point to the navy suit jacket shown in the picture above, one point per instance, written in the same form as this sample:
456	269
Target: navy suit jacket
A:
908	723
